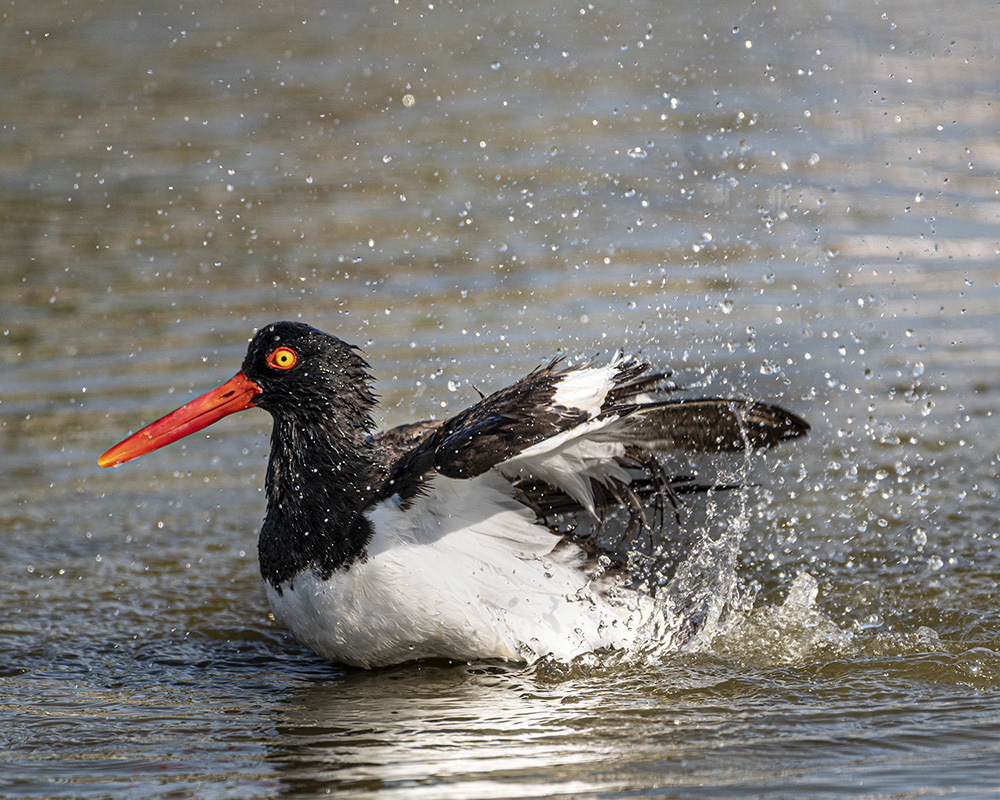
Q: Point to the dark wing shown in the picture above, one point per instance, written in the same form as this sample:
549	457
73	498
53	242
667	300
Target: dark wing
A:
709	425
496	428
651	488
509	421
502	425
401	453
398	441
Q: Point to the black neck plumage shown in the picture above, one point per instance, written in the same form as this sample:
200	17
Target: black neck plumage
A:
319	480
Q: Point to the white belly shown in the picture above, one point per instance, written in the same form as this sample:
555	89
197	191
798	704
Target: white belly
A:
446	579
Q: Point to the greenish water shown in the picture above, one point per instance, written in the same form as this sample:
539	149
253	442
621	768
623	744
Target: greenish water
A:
795	203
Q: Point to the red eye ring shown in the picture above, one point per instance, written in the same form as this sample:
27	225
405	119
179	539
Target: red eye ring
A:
281	358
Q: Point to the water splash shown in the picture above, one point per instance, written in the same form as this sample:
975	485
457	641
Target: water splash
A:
707	611
791	633
704	586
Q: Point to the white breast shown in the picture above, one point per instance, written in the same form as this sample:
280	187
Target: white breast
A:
463	573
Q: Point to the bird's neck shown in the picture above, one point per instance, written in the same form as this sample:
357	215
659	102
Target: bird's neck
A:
319	480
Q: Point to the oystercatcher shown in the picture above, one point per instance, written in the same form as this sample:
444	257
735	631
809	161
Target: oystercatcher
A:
449	538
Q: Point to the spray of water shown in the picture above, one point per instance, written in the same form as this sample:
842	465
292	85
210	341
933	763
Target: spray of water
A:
713	609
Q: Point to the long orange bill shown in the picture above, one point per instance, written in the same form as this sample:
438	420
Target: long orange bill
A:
234	395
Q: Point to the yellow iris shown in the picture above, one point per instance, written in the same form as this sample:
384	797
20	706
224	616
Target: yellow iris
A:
282	358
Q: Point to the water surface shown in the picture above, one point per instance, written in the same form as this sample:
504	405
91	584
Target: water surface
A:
794	203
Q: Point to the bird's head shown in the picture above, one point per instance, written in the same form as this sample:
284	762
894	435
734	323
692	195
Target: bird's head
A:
292	370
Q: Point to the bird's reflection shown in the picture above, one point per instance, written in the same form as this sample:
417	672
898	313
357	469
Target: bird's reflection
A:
440	727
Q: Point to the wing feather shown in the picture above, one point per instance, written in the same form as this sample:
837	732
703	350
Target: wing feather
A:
578	429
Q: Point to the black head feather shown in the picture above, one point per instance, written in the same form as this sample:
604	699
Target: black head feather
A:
322	468
329	380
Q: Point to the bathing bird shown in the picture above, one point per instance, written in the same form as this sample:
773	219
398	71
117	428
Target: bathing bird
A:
455	538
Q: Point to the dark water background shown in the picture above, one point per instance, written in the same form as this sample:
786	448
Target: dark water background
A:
799	202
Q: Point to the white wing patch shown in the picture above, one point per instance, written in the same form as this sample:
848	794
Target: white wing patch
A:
587	388
570	460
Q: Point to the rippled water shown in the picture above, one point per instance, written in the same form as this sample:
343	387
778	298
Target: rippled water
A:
797	203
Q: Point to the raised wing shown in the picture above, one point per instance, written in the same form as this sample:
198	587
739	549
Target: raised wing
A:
579	430
708	425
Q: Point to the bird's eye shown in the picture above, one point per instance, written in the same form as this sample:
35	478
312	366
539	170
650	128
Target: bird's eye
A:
282	358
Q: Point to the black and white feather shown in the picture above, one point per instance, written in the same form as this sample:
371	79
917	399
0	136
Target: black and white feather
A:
438	538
